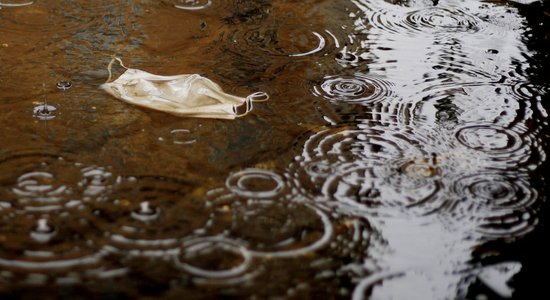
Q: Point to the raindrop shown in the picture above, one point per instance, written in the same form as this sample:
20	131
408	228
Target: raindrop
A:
43	232
141	201
64	85
44	112
359	88
145	212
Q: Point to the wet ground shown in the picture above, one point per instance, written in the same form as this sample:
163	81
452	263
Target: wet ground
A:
401	154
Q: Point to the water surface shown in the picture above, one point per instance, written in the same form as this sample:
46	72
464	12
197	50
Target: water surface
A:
401	154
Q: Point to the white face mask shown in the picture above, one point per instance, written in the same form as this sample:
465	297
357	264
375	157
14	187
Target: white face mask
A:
187	95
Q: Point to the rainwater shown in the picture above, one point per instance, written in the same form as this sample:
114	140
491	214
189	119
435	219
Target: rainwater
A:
401	155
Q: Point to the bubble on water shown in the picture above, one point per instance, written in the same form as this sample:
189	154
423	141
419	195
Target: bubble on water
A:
44	112
358	88
191	4
294	228
149	215
255	183
215	260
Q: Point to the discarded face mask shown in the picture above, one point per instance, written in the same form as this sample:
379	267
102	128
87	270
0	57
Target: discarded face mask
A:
188	95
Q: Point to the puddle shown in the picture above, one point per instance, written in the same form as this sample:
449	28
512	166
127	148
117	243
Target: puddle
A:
402	153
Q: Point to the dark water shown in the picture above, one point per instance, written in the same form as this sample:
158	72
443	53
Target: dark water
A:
401	156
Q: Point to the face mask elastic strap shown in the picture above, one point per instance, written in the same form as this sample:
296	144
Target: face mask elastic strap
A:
254	97
258	97
110	66
248	103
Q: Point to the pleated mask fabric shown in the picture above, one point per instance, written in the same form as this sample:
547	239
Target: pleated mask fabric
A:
186	95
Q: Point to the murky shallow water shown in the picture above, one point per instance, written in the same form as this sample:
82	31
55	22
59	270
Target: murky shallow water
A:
400	156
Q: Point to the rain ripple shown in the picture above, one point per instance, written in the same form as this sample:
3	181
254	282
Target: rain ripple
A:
282	41
296	228
145	215
441	19
503	147
52	243
38	18
44	181
357	88
15	3
255	183
496	204
428	20
495	192
216	260
191	4
368	146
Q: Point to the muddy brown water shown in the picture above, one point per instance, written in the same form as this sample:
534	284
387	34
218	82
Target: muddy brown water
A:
401	154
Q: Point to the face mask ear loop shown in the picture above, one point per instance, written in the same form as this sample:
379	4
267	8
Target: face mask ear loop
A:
258	97
110	66
248	103
255	97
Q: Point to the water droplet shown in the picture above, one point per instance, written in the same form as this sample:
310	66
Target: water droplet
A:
359	88
43	232
64	85
44	112
145	212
